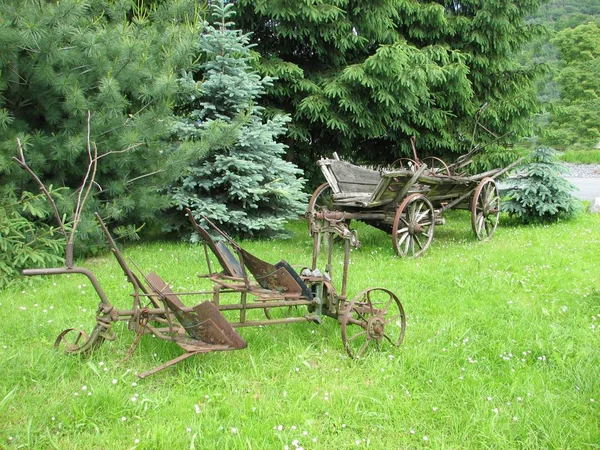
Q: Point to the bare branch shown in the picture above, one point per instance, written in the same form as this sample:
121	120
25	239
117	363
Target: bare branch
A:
144	176
21	161
112	152
85	185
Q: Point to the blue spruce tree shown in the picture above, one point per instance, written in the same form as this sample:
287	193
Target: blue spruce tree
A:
243	182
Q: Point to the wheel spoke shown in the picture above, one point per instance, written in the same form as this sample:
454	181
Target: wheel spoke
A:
383	311
395	344
480	222
403	238
364	347
357	335
418	208
418	242
407	243
391	319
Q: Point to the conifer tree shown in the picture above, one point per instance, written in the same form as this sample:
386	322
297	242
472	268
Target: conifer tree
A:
540	193
360	77
244	183
120	61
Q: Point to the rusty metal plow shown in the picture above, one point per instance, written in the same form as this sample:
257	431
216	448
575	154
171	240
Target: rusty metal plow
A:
375	316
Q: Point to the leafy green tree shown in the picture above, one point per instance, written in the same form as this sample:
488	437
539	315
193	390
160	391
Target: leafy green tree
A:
119	60
575	119
24	244
360	77
540	193
244	183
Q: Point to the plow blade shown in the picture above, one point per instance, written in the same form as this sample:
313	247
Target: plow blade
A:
213	327
204	324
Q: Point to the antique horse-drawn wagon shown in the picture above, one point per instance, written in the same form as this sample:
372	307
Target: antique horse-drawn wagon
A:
407	201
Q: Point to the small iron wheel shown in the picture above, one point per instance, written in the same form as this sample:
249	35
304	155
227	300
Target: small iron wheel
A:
412	231
321	200
436	165
375	316
485	209
75	341
405	164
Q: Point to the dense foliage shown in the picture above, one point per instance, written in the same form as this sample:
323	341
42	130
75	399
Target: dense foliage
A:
121	62
246	184
360	77
540	193
23	243
571	119
575	121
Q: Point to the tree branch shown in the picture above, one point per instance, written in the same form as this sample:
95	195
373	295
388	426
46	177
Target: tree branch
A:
21	161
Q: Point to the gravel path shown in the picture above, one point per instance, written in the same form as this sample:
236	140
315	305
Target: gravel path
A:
582	170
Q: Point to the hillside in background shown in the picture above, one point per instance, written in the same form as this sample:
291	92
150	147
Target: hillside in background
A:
570	91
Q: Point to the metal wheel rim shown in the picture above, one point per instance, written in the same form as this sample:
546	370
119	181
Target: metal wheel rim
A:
413	213
442	167
485	209
77	341
313	206
367	313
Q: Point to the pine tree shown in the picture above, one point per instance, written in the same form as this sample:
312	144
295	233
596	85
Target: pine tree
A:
244	183
119	60
360	77
540	193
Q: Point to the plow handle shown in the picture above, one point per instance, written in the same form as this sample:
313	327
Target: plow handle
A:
69	270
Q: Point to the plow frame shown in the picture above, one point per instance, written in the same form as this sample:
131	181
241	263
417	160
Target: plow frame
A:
158	311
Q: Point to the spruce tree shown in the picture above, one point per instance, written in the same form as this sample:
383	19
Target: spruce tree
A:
540	193
360	77
244	183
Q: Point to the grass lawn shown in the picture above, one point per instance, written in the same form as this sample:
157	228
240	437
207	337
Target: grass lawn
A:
589	156
501	351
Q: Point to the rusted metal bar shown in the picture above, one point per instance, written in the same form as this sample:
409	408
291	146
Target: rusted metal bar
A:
70	270
286	320
229	307
167	364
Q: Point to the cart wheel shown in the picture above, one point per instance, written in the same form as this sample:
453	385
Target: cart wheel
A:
412	231
320	200
76	341
436	165
375	316
485	209
405	164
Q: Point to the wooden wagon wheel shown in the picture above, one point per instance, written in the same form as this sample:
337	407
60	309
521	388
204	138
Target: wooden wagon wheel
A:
436	165
485	209
76	341
412	231
375	316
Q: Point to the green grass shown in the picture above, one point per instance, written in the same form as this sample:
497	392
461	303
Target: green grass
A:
501	351
589	156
